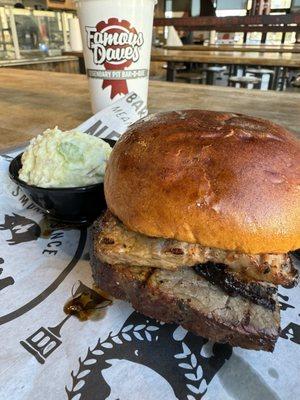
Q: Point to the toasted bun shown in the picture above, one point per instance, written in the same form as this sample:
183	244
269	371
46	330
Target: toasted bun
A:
222	180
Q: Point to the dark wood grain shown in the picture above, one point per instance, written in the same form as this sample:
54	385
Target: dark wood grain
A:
257	22
291	18
261	48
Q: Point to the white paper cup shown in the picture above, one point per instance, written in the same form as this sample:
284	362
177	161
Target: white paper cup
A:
117	38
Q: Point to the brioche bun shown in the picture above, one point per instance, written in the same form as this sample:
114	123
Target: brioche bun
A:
223	180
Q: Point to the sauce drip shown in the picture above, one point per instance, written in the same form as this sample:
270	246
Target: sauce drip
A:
88	304
48	225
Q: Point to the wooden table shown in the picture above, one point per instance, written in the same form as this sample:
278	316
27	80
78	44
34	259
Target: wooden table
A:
275	60
32	101
68	64
262	48
220	57
37	60
230	57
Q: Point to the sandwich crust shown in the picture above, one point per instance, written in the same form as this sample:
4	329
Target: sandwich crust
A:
223	180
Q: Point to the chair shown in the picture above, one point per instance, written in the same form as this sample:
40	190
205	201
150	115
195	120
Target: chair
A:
244	81
259	72
211	71
173	69
191	77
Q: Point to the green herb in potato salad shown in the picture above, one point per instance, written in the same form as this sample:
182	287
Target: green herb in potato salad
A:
59	159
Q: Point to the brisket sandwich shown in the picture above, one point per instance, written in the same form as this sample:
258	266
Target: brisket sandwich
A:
203	212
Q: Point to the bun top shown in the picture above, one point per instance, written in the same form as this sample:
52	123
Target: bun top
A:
222	180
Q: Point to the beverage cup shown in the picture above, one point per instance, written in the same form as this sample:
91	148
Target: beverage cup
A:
117	38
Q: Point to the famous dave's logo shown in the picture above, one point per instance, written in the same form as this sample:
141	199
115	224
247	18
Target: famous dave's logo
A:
115	45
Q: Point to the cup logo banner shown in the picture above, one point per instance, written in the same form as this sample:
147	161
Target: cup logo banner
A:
116	45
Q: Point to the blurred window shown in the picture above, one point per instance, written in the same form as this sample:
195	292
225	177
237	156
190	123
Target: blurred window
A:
278	38
7	50
37	31
229	8
276	4
254	38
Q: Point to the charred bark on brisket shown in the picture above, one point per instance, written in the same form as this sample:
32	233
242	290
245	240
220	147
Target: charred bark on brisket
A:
258	292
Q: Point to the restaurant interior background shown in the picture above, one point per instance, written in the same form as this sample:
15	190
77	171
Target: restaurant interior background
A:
35	34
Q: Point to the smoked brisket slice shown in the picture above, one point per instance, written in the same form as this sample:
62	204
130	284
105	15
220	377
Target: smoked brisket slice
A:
184	297
258	292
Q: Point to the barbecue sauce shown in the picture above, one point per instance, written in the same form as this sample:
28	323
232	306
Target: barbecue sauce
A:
48	225
89	304
46	228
